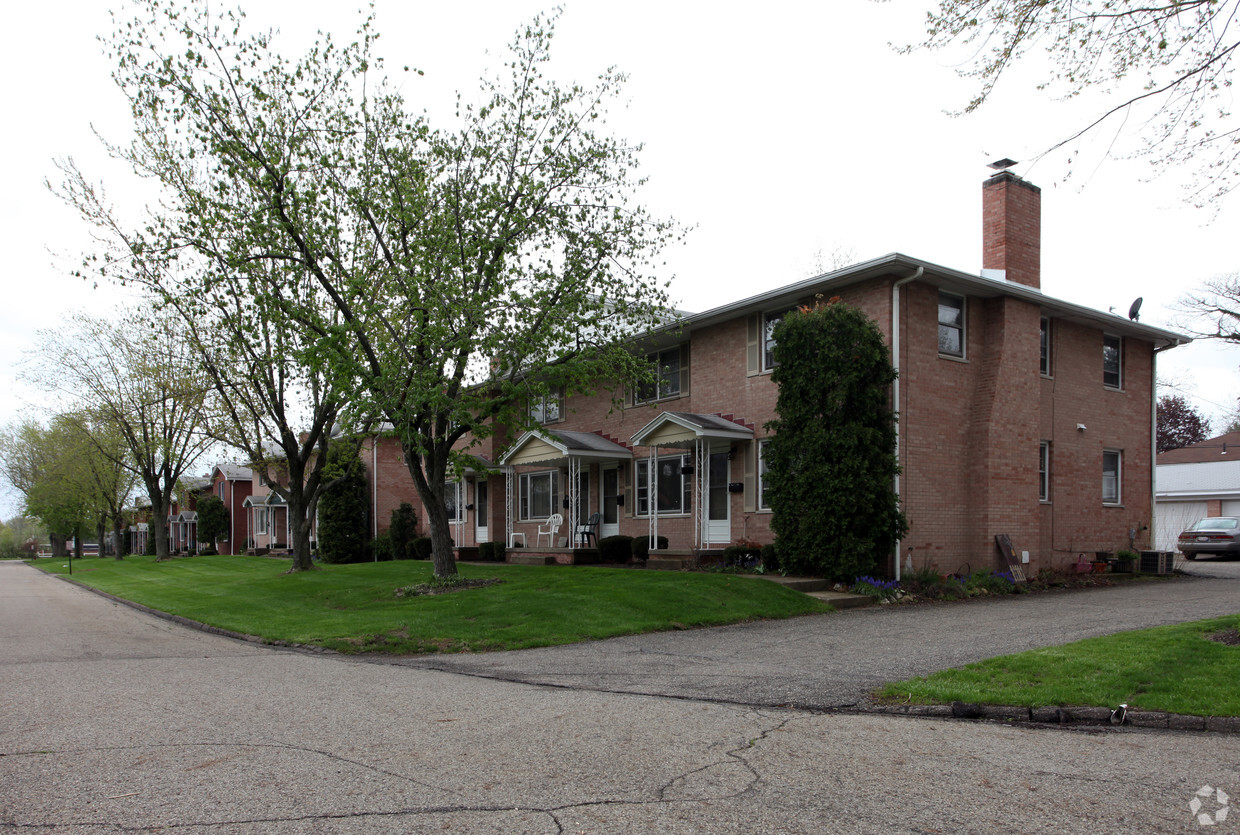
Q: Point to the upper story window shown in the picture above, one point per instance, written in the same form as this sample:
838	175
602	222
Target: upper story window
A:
951	325
667	383
1112	361
546	408
1044	347
769	321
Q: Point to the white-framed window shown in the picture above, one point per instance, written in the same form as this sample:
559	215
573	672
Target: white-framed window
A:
951	325
539	494
673	487
1112	361
764	502
666	382
1112	464
260	520
769	321
1044	346
1044	471
452	500
547	408
219	490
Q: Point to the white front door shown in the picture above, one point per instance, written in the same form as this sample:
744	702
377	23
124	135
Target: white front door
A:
609	501
481	510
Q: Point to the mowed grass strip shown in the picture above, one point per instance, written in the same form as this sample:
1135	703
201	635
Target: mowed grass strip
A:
353	608
1178	669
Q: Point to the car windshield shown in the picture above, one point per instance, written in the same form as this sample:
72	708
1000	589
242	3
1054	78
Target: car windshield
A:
1217	524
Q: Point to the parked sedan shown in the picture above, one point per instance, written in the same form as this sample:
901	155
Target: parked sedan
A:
1213	535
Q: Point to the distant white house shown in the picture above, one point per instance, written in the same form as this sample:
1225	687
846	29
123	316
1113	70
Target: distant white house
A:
1194	482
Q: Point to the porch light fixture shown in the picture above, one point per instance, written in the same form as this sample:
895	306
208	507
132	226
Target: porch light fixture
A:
731	452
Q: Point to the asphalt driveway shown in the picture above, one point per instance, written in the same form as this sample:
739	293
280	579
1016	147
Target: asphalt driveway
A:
833	661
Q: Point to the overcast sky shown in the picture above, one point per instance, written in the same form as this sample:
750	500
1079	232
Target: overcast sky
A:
780	136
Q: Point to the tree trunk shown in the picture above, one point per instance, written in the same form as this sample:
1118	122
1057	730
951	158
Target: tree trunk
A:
101	529
300	525
119	545
441	538
77	543
58	545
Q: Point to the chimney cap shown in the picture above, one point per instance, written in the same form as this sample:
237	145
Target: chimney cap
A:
1002	164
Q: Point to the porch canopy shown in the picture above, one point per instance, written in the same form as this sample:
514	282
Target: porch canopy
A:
271	500
559	447
697	434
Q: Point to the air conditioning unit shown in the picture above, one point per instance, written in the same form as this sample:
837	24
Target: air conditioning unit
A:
1157	562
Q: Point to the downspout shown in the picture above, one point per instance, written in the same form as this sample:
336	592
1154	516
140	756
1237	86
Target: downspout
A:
1154	442
374	486
895	386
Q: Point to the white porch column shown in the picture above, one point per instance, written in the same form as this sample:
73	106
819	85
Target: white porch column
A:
652	499
510	482
701	455
574	498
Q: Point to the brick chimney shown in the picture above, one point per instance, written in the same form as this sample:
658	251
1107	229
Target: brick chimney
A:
1012	228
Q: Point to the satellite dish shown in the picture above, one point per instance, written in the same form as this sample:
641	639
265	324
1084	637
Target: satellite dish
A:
1134	312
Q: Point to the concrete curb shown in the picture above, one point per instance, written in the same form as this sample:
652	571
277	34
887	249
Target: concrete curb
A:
1073	716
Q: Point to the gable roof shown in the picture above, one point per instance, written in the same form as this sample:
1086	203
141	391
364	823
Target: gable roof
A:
681	428
543	445
233	472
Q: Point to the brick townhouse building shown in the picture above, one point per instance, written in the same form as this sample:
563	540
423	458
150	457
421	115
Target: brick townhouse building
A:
233	484
1019	414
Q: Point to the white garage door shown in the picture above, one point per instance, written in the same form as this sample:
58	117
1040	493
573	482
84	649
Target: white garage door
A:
1174	517
1231	508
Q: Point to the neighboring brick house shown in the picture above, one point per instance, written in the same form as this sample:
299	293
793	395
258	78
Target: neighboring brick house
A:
233	484
1020	414
183	515
1194	482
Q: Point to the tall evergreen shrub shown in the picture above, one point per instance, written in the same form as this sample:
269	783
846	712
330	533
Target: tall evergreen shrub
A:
831	462
402	529
343	507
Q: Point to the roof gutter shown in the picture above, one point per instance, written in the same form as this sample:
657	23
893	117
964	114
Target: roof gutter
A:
895	385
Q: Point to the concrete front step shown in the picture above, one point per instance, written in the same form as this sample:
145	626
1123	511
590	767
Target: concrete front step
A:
517	558
842	599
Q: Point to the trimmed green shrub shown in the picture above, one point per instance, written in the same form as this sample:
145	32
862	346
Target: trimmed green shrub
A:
380	548
640	546
212	520
741	556
402	529
831	457
491	551
421	548
615	548
344	520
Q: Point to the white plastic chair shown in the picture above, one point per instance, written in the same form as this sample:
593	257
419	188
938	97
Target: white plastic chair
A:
549	530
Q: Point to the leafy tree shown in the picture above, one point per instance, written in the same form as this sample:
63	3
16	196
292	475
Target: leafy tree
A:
1180	51
212	519
440	276
140	378
344	507
1179	424
831	459
401	531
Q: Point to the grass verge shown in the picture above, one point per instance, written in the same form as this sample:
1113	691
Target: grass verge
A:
354	608
1186	668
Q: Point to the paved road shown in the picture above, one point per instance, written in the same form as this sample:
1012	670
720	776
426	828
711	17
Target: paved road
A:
115	721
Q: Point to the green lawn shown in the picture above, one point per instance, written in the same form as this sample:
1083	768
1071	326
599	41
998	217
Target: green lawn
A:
353	608
1170	668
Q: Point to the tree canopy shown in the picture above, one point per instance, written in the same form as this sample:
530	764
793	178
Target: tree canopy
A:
1179	424
1179	53
437	276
